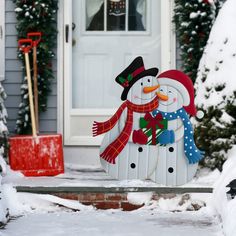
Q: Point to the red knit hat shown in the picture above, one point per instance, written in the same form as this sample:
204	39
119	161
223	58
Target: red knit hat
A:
184	85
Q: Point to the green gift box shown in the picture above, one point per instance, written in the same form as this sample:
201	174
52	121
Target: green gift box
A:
158	125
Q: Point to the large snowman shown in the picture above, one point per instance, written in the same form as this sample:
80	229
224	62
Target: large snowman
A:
124	153
178	155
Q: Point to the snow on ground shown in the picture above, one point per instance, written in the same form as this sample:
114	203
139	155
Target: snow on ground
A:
80	176
46	215
115	222
226	207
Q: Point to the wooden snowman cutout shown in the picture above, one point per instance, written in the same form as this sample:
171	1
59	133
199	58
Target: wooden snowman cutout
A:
124	153
178	157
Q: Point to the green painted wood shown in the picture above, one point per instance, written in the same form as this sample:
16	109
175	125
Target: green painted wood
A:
158	190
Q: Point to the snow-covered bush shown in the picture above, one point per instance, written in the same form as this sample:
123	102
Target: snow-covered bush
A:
3	124
224	206
4	214
193	20
216	89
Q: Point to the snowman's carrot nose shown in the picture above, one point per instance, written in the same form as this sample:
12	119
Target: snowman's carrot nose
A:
150	89
162	96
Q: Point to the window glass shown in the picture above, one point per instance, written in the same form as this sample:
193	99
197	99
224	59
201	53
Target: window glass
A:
137	15
95	15
116	15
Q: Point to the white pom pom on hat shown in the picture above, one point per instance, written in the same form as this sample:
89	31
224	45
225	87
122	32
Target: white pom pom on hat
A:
183	84
200	114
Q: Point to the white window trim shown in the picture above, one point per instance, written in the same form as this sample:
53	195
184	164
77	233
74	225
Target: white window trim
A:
2	40
168	53
168	38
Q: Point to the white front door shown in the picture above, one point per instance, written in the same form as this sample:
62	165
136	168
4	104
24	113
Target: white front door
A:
102	37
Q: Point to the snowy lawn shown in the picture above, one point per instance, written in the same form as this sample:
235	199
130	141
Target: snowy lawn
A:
115	222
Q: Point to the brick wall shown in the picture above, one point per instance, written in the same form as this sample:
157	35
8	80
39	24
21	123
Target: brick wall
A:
108	200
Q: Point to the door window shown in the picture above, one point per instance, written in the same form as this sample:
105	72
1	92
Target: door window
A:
116	15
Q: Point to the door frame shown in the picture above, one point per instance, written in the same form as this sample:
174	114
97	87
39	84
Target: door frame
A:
2	41
168	61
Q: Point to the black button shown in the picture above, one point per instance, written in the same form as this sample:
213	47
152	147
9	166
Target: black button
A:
171	170
132	165
140	149
171	149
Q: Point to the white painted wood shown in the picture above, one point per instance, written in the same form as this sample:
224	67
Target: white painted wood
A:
60	66
67	68
167	36
2	40
183	172
133	42
135	161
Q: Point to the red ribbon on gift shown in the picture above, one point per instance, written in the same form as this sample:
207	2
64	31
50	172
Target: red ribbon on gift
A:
152	123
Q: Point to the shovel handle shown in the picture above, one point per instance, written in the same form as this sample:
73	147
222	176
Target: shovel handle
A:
36	37
25	45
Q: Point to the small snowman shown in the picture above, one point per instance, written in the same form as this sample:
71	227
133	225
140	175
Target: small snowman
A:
178	155
124	153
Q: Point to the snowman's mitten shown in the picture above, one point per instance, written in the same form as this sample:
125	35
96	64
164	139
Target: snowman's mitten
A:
166	137
172	136
139	137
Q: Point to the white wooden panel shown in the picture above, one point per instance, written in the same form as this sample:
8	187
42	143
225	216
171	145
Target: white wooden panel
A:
171	156
182	171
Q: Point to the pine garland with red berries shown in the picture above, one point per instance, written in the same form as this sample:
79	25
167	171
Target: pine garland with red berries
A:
36	16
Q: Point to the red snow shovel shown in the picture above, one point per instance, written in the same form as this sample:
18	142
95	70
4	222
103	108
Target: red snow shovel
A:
35	155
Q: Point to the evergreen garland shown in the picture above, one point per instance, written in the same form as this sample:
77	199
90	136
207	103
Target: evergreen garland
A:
36	16
193	20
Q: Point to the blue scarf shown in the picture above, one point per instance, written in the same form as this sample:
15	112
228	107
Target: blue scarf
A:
193	154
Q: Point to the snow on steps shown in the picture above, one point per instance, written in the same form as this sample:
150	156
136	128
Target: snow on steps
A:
92	186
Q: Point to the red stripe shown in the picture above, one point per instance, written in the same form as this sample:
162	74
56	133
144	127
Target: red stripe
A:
138	71
113	150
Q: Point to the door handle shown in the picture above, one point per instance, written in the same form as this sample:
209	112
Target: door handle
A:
67	33
73	26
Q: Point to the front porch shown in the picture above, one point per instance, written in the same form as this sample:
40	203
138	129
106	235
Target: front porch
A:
92	186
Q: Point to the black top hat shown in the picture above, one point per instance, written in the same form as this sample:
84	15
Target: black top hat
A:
133	73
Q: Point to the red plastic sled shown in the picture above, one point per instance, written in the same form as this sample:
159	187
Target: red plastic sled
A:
37	156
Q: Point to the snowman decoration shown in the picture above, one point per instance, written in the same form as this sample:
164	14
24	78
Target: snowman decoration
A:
124	153
178	155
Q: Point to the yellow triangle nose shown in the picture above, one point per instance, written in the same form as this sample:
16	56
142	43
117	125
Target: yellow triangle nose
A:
150	89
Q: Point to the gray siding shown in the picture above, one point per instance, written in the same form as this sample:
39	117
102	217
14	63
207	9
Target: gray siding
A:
12	83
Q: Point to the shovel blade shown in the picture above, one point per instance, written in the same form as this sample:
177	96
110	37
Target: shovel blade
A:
37	156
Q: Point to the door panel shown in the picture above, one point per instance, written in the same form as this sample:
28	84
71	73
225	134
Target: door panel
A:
107	35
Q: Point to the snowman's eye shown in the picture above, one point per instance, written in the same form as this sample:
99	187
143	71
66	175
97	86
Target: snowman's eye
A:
170	91
148	80
141	83
161	90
